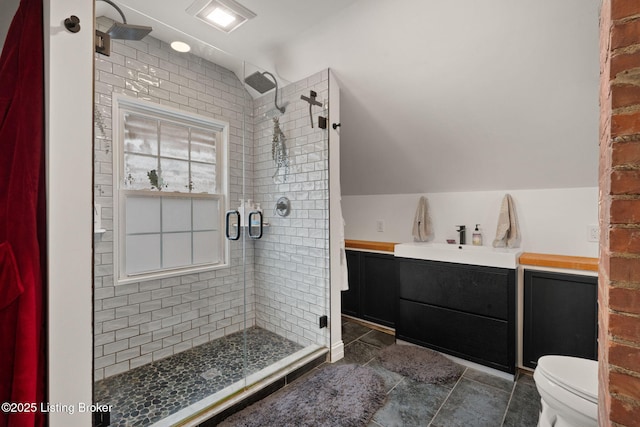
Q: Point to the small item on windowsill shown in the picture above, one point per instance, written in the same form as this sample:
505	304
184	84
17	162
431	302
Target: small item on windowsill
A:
451	241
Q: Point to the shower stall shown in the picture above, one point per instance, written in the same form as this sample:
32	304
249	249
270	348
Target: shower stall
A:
212	248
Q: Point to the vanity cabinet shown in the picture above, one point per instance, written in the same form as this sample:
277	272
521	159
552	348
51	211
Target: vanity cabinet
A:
464	310
372	287
560	315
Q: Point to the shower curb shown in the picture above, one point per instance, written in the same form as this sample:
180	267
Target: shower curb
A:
218	412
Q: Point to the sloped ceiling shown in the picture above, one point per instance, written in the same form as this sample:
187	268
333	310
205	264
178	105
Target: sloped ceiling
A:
435	95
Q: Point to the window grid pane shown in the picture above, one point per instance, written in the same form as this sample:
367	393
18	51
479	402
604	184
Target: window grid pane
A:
140	134
203	146
168	165
174	141
160	155
177	231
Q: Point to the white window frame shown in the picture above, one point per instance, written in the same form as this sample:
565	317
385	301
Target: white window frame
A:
121	104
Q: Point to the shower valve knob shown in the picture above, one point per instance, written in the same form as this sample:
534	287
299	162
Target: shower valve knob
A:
72	24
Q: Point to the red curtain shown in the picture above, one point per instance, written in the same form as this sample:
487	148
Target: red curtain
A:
22	219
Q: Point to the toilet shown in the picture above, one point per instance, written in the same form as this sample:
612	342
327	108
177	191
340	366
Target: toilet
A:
568	388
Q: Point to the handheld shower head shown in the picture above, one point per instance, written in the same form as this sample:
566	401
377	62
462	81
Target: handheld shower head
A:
124	31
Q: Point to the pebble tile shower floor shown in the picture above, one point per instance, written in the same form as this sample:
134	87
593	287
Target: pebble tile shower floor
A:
152	392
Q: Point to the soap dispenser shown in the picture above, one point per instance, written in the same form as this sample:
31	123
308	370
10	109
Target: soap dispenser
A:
477	236
241	212
255	218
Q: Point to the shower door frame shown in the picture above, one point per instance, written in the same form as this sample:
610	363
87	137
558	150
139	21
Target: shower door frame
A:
259	119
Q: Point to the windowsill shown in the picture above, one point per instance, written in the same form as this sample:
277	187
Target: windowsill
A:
169	274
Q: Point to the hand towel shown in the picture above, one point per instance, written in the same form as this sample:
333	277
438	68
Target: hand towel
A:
422	222
344	271
508	232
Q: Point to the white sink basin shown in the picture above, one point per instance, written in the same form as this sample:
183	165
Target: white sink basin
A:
461	254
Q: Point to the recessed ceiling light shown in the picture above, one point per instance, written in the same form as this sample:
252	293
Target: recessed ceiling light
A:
180	46
225	15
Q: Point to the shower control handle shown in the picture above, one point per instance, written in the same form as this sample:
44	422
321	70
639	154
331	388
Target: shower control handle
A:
227	227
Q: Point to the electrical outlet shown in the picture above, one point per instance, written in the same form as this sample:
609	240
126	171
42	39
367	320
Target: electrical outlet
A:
593	233
380	225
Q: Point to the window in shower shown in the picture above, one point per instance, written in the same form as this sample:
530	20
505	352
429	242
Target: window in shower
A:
172	189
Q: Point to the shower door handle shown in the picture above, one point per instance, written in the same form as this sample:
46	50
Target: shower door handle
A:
252	214
227	227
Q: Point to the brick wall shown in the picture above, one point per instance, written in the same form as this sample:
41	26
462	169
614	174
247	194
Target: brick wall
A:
619	281
138	323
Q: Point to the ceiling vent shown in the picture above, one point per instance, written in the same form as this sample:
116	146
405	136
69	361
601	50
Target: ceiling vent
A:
225	15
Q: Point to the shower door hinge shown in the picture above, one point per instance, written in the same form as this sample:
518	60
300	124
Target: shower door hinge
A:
324	321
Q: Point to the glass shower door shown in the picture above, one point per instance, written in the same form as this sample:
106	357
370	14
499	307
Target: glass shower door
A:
287	179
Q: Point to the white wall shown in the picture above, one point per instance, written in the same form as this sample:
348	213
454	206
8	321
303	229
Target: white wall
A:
460	95
68	92
551	220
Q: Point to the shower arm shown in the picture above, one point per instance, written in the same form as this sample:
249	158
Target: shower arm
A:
275	101
115	6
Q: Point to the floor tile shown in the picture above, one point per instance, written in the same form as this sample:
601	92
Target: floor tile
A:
351	331
488	379
524	407
391	379
473	404
378	339
526	378
359	352
411	403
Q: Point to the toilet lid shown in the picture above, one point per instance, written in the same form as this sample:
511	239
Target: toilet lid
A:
579	376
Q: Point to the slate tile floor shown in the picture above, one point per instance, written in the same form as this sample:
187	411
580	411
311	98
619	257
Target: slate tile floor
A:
476	399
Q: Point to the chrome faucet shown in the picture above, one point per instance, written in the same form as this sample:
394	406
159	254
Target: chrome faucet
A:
462	230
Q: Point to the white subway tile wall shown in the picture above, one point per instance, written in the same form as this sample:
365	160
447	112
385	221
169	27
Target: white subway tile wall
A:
292	259
287	271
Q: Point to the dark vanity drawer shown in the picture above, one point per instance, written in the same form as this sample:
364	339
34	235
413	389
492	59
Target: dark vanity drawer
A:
477	338
473	289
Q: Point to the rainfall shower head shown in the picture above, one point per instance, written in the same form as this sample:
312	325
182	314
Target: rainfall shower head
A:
128	31
262	84
124	31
